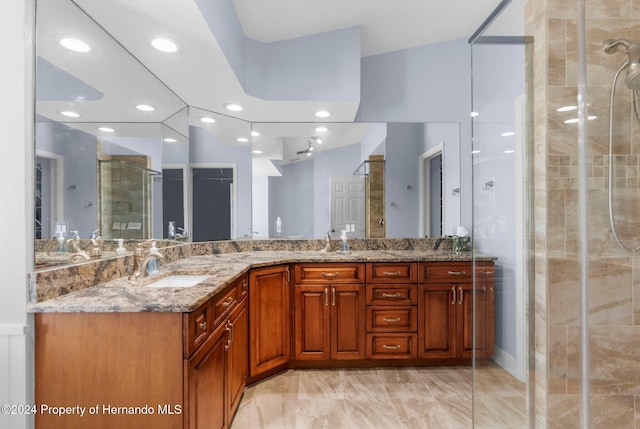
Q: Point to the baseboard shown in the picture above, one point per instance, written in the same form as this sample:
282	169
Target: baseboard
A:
16	370
509	363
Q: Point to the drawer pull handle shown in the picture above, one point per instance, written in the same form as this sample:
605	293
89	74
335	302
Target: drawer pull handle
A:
227	302
391	295
329	274
453	289
202	326
391	273
326	297
461	296
457	273
396	320
387	347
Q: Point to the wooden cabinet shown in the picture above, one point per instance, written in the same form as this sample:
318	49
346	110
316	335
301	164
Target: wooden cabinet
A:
329	312
446	310
270	319
392	311
205	383
237	364
216	374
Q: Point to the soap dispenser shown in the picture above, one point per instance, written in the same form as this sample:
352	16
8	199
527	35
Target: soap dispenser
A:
153	266
60	246
344	247
121	249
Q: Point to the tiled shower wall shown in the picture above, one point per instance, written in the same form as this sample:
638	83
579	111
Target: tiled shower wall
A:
614	275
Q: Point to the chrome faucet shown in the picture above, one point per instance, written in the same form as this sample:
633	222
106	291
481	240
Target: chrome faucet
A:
140	260
77	254
96	252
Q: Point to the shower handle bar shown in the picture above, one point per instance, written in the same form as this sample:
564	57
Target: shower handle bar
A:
609	46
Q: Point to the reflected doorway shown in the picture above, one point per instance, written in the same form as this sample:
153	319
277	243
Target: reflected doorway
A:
347	205
212	203
431	207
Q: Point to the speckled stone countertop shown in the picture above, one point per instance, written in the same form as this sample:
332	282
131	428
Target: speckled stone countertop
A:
123	295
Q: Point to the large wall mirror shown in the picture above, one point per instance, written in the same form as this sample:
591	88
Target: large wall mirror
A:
126	145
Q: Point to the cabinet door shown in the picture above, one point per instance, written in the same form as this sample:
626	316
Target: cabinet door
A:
312	325
437	321
270	324
205	388
481	323
348	332
237	356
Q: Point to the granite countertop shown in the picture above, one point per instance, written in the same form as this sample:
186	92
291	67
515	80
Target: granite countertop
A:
124	295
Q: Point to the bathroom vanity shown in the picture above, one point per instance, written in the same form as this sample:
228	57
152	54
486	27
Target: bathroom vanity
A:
180	357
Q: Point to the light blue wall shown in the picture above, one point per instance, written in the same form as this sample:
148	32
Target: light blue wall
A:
494	92
429	83
373	140
78	150
323	66
291	198
205	148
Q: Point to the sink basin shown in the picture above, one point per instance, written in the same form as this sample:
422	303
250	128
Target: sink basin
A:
177	281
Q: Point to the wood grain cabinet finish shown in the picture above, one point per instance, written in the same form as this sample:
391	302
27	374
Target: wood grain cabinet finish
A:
270	318
329	312
446	318
190	369
392	311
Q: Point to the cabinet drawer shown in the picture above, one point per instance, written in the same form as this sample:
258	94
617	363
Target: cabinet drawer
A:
392	346
392	294
329	273
392	319
392	272
225	301
197	326
446	272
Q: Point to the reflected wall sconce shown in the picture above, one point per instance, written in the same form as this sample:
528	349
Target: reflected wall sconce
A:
488	185
455	192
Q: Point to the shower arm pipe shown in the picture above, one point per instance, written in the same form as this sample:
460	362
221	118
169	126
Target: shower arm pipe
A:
610	187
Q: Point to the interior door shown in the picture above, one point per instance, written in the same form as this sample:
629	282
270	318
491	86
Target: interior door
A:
212	203
347	205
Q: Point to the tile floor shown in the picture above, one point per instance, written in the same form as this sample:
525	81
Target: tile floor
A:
381	398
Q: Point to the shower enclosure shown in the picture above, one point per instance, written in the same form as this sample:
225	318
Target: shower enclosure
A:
583	178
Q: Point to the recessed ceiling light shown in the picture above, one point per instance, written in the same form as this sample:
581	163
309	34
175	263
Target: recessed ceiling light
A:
572	121
322	129
474	114
164	45
145	107
508	134
567	108
322	114
255	133
475	151
233	107
169	140
75	45
591	118
242	139
106	129
70	114
207	120
509	151
257	152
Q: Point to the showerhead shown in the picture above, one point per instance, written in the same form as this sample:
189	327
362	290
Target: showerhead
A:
632	63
